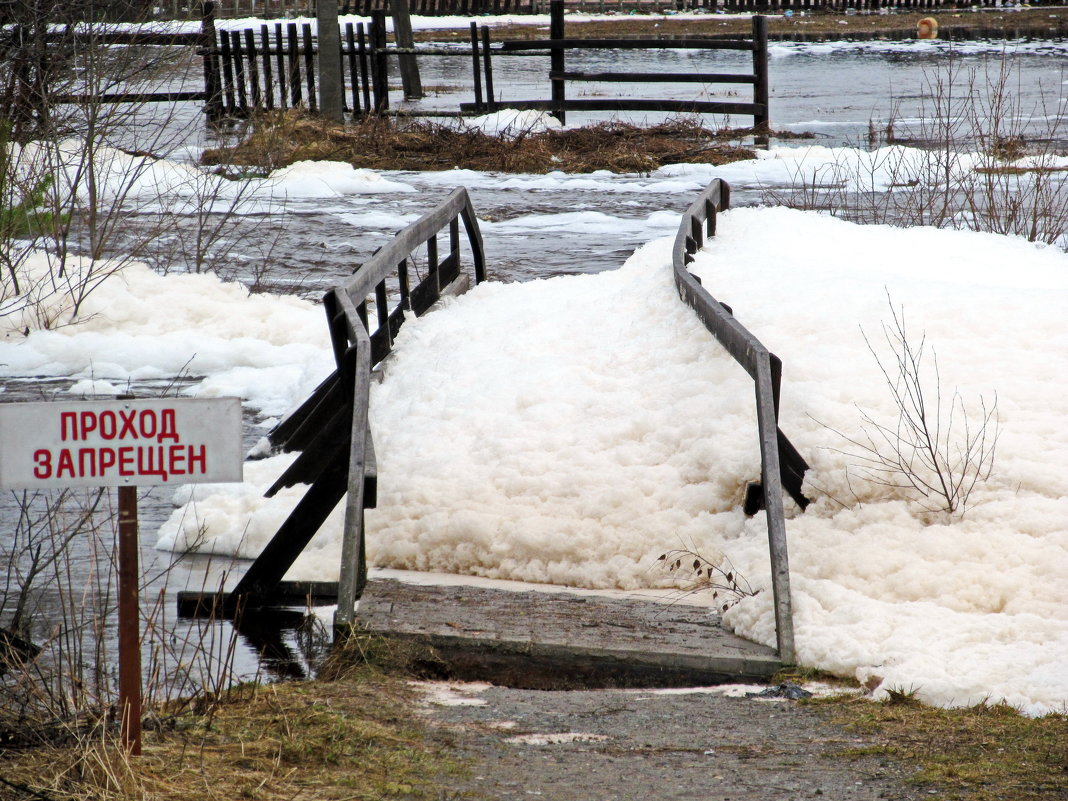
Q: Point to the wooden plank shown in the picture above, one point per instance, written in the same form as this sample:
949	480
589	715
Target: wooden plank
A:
228	71
280	64
331	438
476	70
558	640
553	43
295	91
487	65
253	69
130	97
127	38
365	71
621	104
322	398
296	532
239	70
762	120
354	72
309	65
268	76
653	77
556	60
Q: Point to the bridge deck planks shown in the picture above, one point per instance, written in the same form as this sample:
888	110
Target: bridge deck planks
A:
563	640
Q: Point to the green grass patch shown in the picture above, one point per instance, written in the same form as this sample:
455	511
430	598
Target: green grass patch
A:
981	753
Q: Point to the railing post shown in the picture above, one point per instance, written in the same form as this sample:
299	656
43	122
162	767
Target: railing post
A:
774	513
357	370
556	59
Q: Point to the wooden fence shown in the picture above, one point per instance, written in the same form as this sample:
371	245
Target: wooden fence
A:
557	45
782	467
331	430
289	9
276	67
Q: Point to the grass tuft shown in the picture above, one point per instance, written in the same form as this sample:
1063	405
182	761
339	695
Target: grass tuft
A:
981	753
277	139
355	737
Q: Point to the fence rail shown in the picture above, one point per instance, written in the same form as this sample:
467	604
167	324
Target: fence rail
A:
782	467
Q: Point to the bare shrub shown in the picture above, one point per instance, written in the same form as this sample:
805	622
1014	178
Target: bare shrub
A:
974	161
698	573
934	452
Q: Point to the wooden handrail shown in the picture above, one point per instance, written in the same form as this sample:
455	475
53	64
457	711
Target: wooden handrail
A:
779	459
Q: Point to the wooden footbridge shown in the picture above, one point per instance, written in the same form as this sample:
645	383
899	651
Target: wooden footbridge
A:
628	641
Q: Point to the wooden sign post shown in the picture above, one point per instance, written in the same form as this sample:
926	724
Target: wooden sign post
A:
122	443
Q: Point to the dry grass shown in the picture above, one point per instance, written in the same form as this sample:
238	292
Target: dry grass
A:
355	737
983	753
282	138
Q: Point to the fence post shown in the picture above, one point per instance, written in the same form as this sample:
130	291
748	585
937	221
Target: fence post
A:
213	100
556	59
331	85
476	72
409	65
379	61
491	102
365	69
761	121
309	66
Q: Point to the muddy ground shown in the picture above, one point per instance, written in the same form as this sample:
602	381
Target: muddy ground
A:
633	745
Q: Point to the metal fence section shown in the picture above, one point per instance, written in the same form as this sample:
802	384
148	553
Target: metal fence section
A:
782	467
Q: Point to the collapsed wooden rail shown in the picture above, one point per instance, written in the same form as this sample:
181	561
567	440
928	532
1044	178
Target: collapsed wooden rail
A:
782	467
330	430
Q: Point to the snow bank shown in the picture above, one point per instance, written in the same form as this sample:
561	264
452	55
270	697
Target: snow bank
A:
961	608
511	123
133	324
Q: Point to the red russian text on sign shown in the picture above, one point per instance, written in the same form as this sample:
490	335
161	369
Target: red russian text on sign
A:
120	443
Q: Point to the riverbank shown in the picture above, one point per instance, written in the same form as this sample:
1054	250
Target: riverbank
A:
953	25
372	730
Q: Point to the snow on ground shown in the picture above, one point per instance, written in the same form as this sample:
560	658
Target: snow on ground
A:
570	430
512	123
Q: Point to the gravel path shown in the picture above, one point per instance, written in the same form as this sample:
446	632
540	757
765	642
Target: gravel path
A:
635	745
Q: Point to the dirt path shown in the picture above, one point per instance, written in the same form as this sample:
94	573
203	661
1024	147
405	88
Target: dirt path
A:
619	745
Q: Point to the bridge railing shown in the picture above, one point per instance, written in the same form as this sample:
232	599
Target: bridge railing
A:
782	467
331	430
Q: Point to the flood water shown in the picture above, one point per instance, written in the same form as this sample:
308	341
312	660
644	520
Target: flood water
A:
540	226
